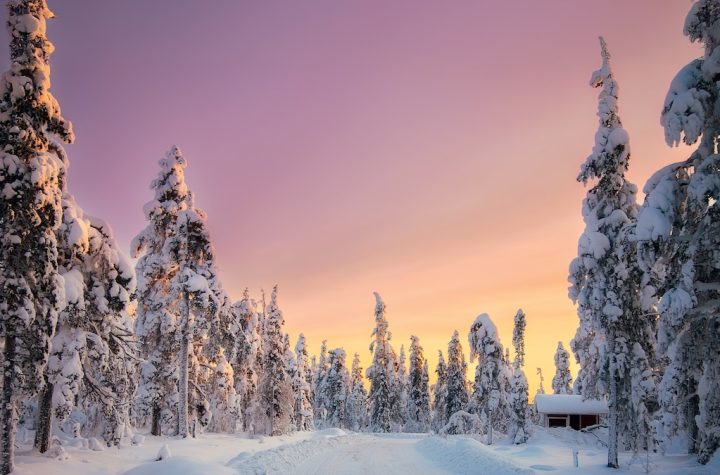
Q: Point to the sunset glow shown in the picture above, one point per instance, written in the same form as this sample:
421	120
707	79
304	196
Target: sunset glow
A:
424	150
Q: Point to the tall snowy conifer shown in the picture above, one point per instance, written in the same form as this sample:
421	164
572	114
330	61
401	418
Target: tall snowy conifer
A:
418	404
562	381
335	388
439	393
92	365
319	372
457	394
518	399
178	295
357	409
275	398
301	385
382	372
489	398
678	236
605	281
245	364
31	178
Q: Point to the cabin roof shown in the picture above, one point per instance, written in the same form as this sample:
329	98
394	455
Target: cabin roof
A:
568	404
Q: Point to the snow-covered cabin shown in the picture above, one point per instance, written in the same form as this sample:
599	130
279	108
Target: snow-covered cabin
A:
569	410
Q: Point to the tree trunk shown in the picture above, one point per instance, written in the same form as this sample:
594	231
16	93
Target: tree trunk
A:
7	433
44	422
156	428
692	411
183	425
612	405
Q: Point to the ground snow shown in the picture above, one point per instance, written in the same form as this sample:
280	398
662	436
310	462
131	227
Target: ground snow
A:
338	452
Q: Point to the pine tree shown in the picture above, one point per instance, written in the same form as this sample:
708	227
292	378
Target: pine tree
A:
335	389
418	404
605	278
179	295
439	391
381	373
562	381
677	235
301	385
31	180
491	386
357	409
275	398
457	394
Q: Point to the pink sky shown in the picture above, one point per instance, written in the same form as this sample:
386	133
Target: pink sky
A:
426	150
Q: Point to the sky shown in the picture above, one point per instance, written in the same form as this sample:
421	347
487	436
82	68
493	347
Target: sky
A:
424	150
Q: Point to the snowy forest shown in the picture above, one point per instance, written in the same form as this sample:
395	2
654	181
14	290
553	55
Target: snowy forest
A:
113	347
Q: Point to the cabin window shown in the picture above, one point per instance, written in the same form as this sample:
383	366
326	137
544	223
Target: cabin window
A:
557	420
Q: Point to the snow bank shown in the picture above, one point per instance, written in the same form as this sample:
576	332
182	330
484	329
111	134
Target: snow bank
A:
284	458
463	455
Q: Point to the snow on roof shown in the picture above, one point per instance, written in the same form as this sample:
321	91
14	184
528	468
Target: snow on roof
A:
568	404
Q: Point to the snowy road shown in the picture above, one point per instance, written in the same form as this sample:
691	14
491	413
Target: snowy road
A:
368	454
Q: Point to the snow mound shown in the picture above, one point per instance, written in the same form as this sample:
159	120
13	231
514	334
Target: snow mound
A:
462	455
284	459
181	466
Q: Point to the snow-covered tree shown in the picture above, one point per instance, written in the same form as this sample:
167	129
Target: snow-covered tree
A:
490	389
275	397
301	384
399	393
335	388
319	372
457	394
248	353
520	416
605	281
357	409
519	337
31	177
439	393
179	295
222	398
418	404
541	385
678	237
381	372
92	365
562	381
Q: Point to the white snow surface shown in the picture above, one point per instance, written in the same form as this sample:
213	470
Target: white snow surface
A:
568	404
334	451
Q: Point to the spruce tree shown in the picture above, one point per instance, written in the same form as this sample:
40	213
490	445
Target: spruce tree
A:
605	281
335	389
179	295
301	385
357	409
491	386
319	372
399	393
518	399
457	394
381	372
418	404
275	398
245	364
439	393
31	180
562	381
677	236
92	365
